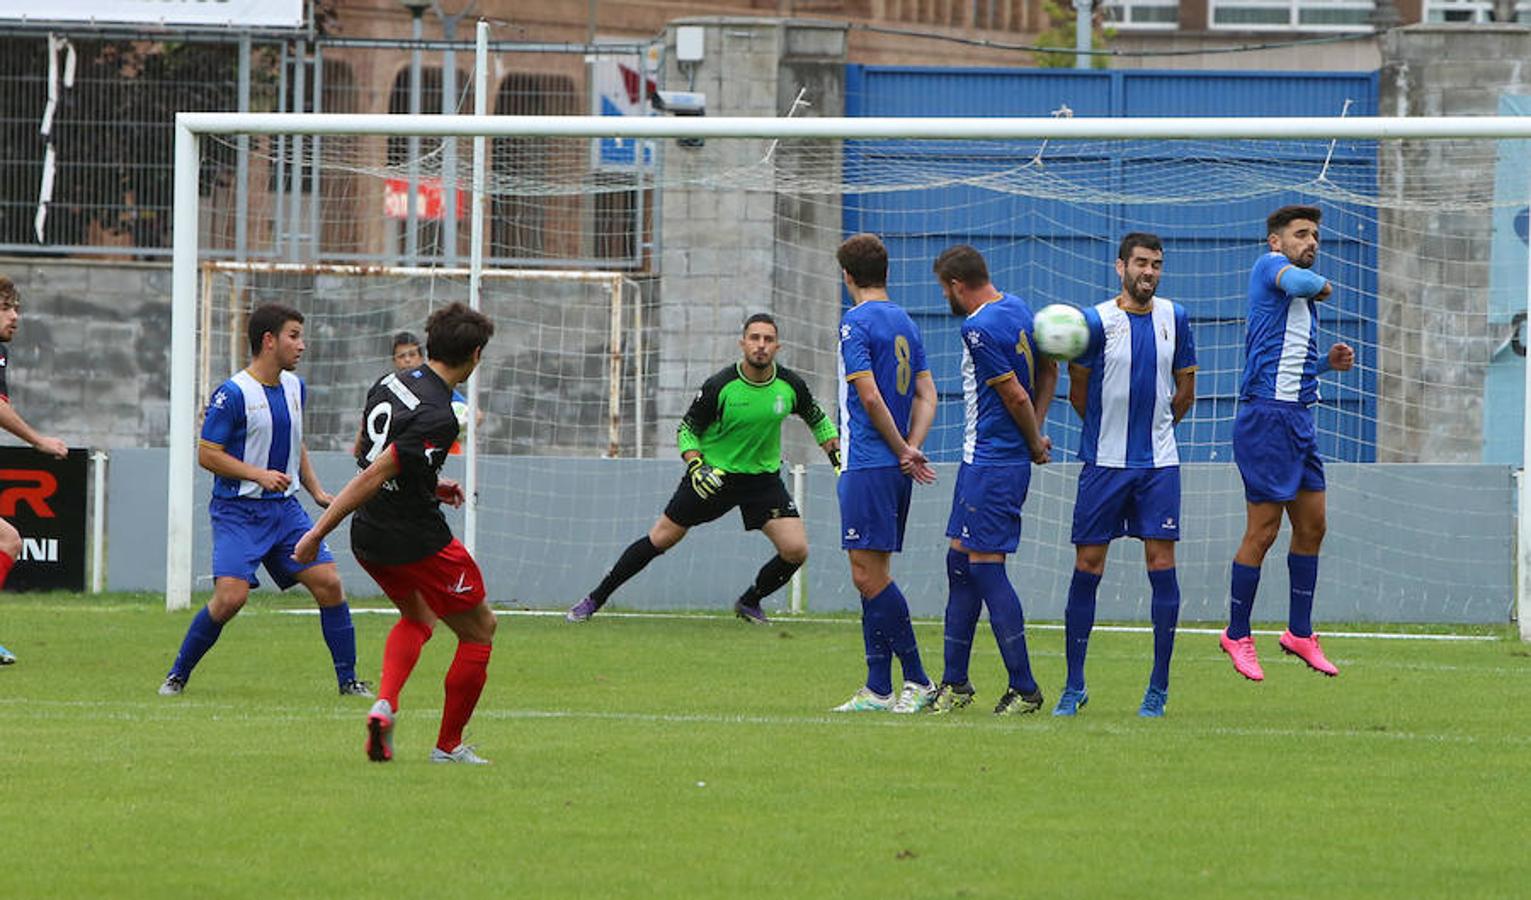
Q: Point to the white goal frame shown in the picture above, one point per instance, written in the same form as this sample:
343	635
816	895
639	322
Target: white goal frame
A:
191	127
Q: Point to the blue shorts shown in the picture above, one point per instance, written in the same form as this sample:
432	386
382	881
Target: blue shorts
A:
986	507
1276	448
874	508
1113	503
249	533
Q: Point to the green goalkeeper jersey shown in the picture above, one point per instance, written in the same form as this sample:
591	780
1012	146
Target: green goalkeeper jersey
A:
735	423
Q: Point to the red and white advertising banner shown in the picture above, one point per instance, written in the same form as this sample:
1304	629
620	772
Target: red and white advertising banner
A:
429	200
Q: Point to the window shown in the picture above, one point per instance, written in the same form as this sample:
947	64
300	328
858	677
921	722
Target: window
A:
1142	15
526	225
429	230
1286	15
1471	11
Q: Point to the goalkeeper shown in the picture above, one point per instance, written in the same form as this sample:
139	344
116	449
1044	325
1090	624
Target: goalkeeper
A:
730	439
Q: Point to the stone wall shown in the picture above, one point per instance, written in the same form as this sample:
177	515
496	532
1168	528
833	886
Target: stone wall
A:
91	356
1433	265
738	246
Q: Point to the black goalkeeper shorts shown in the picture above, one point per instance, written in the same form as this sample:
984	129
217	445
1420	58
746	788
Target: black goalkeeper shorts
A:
760	499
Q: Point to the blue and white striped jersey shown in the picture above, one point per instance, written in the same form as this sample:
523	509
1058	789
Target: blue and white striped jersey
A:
1133	359
1280	343
261	424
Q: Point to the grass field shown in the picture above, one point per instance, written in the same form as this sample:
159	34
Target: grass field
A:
693	756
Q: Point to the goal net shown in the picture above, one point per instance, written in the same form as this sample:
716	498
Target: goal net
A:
593	364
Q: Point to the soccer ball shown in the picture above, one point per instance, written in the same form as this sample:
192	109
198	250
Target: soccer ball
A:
1060	331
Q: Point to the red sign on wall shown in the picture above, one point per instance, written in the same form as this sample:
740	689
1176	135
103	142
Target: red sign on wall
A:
429	202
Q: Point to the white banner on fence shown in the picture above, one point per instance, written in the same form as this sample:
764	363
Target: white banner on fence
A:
219	13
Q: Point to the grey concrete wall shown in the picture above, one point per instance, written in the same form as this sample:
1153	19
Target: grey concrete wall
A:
736	245
549	528
90	358
1433	263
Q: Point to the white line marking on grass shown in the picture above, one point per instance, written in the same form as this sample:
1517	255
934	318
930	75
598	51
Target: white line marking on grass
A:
786	619
182	710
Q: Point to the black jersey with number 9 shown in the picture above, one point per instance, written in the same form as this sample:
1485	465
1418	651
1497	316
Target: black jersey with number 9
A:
408	414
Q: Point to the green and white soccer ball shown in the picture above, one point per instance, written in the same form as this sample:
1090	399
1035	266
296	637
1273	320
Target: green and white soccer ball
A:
1060	331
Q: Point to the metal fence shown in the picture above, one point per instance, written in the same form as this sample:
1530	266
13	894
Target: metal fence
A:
103	140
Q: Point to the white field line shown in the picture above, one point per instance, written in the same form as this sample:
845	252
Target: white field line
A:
786	619
15	708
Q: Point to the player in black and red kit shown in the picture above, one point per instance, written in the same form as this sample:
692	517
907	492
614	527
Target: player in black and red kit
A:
401	538
10	420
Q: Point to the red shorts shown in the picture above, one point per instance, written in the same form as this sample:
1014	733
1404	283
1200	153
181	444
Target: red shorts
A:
448	581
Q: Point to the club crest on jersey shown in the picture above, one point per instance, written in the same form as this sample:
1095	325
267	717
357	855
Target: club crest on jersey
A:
845	332
780	406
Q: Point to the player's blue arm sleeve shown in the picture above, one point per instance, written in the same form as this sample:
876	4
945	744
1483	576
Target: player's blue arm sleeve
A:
1300	282
1323	364
853	351
989	365
225	410
1090	358
1185	342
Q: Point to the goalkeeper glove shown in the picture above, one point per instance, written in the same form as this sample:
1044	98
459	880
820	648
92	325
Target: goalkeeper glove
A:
705	479
834	460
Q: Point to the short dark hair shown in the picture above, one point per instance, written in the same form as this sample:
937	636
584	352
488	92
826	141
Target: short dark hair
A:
270	318
9	296
1283	217
1138	239
405	337
761	317
961	262
865	259
454	332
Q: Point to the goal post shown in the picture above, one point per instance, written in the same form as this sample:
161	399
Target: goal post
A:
1085	199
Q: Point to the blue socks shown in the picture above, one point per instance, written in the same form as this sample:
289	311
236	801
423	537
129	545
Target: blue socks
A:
890	611
1243	584
1303	571
340	635
1165	611
1078	619
1008	622
963	603
878	652
201	635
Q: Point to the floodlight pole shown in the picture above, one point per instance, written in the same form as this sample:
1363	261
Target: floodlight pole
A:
1083	16
411	216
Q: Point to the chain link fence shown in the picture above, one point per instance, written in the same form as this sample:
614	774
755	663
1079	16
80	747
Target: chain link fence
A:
86	161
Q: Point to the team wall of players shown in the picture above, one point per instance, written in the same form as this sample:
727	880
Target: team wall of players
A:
1131	384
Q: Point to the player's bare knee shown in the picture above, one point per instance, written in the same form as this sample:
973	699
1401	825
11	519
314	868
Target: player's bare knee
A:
1090	559
225	606
1308	538
794	554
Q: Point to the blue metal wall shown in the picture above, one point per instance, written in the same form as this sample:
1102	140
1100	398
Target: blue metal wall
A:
1050	250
